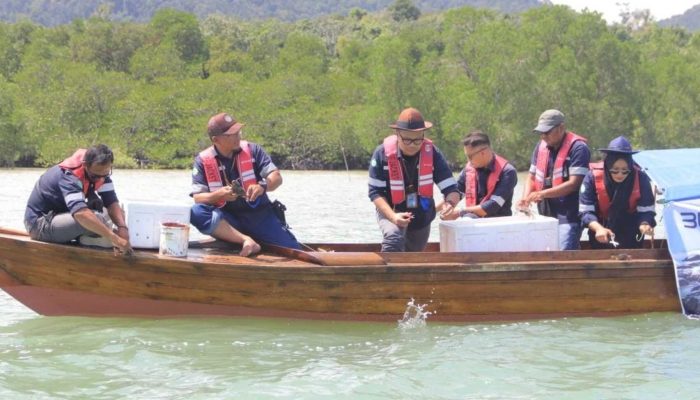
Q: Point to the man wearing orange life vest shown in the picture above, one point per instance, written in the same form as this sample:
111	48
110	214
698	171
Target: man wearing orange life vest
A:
245	216
617	200
488	181
559	163
67	202
402	173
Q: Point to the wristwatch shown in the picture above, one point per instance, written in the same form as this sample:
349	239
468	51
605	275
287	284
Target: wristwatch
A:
263	183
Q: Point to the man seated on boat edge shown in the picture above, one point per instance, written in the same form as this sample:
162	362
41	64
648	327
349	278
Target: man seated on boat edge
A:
68	202
617	199
559	163
402	173
487	180
222	211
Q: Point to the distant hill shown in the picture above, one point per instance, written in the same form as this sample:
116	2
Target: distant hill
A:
689	20
56	12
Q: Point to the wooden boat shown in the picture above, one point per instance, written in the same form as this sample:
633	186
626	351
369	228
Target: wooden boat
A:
341	282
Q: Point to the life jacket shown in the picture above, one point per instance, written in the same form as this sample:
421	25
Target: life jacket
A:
75	165
543	161
425	170
244	163
470	189
598	170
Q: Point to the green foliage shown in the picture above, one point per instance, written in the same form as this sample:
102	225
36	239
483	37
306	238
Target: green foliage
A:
321	93
404	10
12	139
303	54
180	31
108	45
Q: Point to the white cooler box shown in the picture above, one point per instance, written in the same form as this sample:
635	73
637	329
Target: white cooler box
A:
144	221
517	233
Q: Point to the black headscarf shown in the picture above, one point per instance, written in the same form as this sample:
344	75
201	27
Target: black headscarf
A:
619	193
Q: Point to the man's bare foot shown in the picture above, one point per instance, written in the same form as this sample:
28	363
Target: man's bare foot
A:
249	247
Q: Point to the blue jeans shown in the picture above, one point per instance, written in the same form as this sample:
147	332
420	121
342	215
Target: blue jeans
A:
260	224
570	236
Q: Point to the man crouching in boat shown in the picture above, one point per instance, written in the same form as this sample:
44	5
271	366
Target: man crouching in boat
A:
68	200
230	181
488	181
402	173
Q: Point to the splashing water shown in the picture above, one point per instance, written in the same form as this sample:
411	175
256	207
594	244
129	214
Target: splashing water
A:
415	315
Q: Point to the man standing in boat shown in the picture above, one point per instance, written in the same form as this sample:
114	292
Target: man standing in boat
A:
488	181
559	163
68	200
402	173
230	181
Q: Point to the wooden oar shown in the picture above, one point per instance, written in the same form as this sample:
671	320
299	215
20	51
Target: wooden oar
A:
10	231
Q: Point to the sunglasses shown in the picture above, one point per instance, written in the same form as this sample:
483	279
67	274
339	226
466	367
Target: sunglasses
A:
409	142
619	171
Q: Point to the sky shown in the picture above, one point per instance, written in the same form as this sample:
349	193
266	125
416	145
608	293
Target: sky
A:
660	9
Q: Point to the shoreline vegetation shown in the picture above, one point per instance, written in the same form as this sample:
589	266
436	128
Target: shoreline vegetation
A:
319	94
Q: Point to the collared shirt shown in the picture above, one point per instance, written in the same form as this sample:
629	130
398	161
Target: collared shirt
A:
379	178
565	208
501	202
60	191
262	166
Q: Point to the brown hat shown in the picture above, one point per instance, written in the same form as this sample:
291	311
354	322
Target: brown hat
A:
411	119
223	124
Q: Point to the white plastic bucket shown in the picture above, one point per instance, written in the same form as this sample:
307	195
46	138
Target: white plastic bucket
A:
174	239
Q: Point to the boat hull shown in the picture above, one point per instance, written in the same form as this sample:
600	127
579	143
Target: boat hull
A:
346	285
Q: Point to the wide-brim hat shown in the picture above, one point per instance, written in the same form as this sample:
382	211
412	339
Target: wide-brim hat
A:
223	124
411	119
619	145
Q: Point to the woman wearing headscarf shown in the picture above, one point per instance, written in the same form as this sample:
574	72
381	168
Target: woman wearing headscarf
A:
616	202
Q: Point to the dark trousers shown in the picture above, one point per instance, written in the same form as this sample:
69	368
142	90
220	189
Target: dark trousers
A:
260	224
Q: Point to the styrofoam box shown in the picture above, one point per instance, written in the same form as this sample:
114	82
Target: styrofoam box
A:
517	233
144	221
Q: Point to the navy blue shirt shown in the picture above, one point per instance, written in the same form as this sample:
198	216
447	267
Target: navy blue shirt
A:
262	166
501	202
379	183
626	226
59	191
565	208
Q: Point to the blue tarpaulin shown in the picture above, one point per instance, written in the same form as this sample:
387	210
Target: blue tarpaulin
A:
676	173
